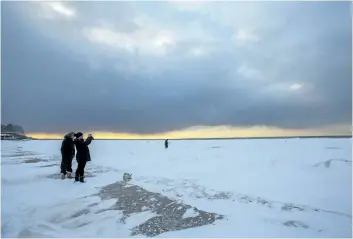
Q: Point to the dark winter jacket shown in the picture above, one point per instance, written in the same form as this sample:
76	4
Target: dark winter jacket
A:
67	148
83	154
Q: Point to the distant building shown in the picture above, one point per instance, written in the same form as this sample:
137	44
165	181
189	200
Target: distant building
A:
7	136
13	136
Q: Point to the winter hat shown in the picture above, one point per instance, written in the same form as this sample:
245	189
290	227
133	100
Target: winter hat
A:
69	135
78	134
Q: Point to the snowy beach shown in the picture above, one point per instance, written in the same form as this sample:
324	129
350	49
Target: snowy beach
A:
196	188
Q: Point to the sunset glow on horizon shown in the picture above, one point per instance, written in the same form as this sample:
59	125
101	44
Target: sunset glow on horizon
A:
212	132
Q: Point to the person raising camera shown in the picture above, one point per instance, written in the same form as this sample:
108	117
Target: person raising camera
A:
82	155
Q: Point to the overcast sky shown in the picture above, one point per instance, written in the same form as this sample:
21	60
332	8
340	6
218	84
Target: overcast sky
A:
151	67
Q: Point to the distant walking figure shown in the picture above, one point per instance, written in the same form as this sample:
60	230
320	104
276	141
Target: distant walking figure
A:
82	155
166	143
67	154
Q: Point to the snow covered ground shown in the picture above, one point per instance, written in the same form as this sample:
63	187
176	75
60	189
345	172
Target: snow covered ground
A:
245	188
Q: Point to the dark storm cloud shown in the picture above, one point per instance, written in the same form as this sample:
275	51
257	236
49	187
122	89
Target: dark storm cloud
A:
289	66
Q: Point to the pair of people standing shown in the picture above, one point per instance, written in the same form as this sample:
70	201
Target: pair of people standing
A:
68	152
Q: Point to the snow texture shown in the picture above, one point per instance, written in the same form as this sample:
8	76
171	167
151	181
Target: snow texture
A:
205	188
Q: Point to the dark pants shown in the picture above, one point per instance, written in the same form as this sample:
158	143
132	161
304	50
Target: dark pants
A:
66	165
80	171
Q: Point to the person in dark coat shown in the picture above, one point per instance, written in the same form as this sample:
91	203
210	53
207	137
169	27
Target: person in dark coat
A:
166	143
67	154
82	155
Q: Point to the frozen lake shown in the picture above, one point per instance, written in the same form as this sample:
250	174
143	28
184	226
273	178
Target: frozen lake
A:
205	188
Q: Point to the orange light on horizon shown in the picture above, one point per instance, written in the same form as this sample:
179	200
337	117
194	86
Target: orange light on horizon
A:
213	132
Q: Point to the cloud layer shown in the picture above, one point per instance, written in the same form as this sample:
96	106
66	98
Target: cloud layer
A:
143	67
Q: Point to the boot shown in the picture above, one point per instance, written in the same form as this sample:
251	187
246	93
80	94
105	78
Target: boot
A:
69	175
62	176
76	178
82	179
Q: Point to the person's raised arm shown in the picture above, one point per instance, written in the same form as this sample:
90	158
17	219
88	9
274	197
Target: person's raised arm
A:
89	139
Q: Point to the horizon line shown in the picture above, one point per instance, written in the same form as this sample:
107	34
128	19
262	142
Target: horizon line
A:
219	138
